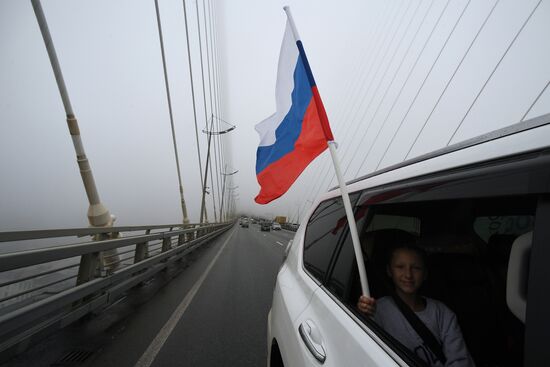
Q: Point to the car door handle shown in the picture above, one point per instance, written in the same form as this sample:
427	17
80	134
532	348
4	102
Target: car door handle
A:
312	338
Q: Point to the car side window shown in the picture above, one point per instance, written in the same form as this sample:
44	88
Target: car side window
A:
466	244
326	230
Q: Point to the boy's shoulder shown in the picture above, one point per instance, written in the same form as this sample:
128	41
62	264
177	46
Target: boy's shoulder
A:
439	310
437	305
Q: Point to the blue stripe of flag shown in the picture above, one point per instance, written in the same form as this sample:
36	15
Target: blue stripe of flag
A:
290	128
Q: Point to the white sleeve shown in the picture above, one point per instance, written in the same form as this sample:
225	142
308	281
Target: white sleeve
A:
454	347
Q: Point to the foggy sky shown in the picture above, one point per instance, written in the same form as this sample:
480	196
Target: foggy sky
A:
398	79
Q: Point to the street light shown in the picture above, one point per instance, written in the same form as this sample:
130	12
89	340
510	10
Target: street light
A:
219	132
231	127
210	133
223	187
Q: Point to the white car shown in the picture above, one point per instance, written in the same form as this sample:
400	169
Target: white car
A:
276	226
480	210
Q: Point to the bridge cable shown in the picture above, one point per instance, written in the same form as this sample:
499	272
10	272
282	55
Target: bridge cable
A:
183	206
345	99
535	101
379	61
385	45
221	156
490	75
214	107
436	24
421	86
389	25
375	140
226	143
210	100
312	193
384	62
448	82
193	95
204	213
215	73
372	120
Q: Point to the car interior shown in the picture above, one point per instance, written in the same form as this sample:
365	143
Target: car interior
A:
468	243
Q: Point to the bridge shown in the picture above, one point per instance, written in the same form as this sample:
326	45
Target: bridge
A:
196	288
174	293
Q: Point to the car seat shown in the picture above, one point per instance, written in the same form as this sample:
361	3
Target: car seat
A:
510	330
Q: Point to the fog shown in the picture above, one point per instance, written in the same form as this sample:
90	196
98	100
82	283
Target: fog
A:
398	79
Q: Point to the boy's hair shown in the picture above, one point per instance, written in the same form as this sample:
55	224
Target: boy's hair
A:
411	247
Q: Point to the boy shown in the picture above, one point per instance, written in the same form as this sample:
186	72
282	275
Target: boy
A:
407	270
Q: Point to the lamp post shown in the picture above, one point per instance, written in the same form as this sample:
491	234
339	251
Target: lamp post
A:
210	132
223	188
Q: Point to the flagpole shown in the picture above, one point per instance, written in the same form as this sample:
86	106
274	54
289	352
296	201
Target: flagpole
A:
343	188
292	24
351	220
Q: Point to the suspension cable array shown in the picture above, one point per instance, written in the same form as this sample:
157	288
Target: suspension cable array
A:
383	115
211	92
183	205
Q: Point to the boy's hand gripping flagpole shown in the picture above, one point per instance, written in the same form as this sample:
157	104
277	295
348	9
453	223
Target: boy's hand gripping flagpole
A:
343	188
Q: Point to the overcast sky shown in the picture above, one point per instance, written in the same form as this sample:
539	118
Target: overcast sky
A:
398	78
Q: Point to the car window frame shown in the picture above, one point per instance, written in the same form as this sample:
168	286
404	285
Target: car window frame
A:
523	167
341	238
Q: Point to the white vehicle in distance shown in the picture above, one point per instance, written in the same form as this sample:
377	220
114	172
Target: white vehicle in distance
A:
275	226
479	210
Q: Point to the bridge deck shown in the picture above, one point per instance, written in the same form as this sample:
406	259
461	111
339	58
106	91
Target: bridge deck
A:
205	316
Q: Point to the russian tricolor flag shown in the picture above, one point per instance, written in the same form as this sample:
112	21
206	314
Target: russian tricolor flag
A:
298	131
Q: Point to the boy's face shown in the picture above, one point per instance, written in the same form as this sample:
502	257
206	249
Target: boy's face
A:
407	271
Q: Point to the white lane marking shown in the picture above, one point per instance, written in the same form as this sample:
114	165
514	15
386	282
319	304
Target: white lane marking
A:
281	244
154	348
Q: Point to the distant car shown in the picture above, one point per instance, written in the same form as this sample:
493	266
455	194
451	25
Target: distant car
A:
265	226
244	224
276	226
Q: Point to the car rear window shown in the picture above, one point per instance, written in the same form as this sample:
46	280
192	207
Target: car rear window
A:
327	228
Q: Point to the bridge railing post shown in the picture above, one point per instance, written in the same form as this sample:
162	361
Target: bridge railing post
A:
166	245
88	267
142	250
188	235
167	242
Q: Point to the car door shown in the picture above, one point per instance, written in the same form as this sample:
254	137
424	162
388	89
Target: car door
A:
328	333
330	336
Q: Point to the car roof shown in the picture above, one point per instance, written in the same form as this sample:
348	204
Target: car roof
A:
523	137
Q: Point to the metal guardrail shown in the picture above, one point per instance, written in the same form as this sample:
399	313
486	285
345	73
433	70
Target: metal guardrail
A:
43	289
